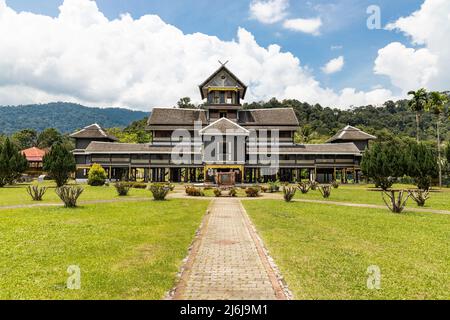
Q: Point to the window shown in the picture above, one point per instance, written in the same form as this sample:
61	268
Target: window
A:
216	97
229	97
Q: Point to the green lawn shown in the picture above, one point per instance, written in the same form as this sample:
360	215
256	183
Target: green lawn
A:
324	250
125	250
439	199
17	194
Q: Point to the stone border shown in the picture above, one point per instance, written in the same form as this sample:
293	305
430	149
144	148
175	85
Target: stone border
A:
177	291
279	285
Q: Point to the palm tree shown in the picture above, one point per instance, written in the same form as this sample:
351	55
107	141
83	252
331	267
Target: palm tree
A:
435	104
417	105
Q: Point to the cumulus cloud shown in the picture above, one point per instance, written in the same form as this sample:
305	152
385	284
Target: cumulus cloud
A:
334	65
82	56
311	26
268	11
429	66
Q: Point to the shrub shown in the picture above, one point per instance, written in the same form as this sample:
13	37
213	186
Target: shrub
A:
304	187
419	196
335	184
171	186
97	175
288	193
122	188
252	192
313	185
395	203
159	191
264	189
273	187
138	185
69	195
36	192
325	190
217	192
194	192
232	192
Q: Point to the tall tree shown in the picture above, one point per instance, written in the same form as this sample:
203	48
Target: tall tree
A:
25	138
48	137
435	104
185	103
421	164
12	163
383	163
417	104
59	163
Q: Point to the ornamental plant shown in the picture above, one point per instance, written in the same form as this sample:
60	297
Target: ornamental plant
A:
97	175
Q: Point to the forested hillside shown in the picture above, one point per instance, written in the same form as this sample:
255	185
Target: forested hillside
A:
391	119
66	117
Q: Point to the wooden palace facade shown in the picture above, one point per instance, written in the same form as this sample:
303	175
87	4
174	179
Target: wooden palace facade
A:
195	145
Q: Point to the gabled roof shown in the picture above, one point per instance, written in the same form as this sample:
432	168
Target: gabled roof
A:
33	154
176	116
268	117
222	68
328	148
98	147
350	133
93	131
224	126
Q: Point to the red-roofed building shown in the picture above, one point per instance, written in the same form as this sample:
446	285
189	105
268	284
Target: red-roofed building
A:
34	157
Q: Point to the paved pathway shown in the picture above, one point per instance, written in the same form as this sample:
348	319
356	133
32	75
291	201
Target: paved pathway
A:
227	260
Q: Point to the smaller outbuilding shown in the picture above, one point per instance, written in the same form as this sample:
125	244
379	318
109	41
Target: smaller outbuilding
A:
35	160
351	134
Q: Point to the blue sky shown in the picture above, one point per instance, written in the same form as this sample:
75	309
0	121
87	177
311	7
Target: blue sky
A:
364	66
344	26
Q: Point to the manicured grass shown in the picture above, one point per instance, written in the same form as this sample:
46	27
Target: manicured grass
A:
17	194
125	250
324	250
439	199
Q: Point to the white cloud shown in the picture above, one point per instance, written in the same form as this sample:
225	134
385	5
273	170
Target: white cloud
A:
410	68
81	56
268	11
311	26
334	65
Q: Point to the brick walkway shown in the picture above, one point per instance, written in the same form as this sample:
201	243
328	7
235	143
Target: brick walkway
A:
227	261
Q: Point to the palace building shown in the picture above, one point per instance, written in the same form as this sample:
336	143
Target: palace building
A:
195	145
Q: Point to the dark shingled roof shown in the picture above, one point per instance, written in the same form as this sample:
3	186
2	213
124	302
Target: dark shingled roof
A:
350	133
268	117
175	116
224	125
93	131
327	148
115	147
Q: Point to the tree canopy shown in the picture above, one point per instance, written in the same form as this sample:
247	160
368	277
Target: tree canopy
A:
12	163
59	163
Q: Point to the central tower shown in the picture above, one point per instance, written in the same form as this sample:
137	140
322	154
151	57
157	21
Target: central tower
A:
223	92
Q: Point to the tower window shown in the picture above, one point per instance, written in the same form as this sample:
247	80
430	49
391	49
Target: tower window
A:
216	97
229	97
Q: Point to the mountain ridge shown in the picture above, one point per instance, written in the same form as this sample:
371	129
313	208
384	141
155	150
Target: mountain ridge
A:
64	116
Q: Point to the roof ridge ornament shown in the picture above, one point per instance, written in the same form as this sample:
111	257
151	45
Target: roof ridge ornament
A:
223	64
